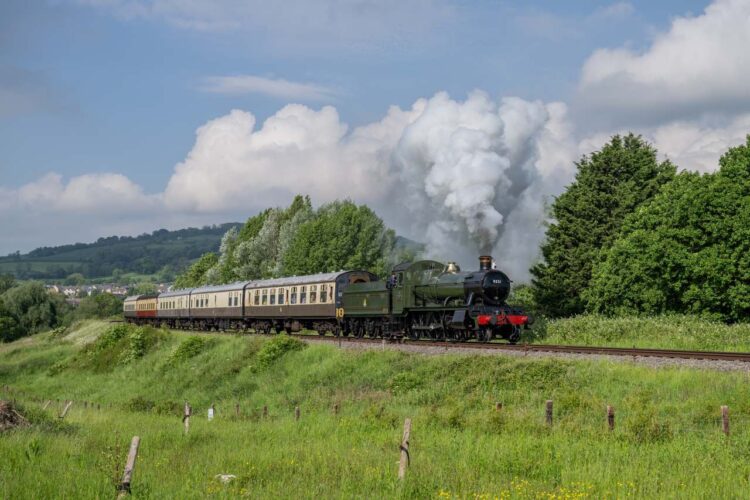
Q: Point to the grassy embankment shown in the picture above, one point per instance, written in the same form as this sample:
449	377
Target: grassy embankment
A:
667	443
665	332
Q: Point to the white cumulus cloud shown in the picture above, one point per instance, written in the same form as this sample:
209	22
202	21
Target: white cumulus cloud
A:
699	67
104	193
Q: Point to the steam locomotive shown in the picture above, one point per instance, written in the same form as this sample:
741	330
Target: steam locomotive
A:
428	299
424	299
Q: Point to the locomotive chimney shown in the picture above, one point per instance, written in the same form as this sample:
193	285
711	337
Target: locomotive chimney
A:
485	262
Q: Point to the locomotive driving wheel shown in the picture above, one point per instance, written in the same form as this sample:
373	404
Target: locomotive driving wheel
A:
413	331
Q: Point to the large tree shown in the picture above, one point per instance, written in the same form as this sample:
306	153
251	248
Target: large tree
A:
609	185
341	236
195	275
686	251
28	308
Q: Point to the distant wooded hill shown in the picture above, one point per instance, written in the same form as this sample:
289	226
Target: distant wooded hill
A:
162	251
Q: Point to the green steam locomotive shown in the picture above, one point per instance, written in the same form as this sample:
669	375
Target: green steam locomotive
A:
428	299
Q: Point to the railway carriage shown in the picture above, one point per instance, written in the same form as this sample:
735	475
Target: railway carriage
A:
173	308
145	308
299	302
218	306
128	307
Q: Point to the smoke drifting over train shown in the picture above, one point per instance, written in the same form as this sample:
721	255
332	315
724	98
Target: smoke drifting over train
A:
464	177
467	167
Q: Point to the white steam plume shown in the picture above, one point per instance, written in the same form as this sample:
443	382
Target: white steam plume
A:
473	171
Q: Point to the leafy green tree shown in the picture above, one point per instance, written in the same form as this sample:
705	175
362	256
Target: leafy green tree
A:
143	288
102	305
75	279
341	236
687	251
28	308
195	274
609	185
7	281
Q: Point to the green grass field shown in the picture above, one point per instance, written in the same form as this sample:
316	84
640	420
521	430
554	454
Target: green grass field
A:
667	442
662	332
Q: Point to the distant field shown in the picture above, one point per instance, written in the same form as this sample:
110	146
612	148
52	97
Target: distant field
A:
667	442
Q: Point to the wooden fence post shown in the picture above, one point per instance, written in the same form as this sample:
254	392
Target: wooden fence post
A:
548	412
65	410
498	406
237	409
211	412
127	476
265	411
296	413
336	409
725	419
611	417
186	417
405	458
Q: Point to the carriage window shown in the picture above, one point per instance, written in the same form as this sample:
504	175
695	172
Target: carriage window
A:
303	295
313	294
294	295
323	294
257	297
236	300
330	293
281	296
265	297
272	296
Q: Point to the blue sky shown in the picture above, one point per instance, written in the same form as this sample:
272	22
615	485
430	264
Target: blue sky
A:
121	86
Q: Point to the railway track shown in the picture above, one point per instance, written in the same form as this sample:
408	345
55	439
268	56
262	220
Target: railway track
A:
567	349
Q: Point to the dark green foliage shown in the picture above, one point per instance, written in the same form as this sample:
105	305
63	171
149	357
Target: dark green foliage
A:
143	289
196	274
161	252
609	185
102	305
298	240
27	309
276	348
341	236
7	281
189	348
687	251
119	345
